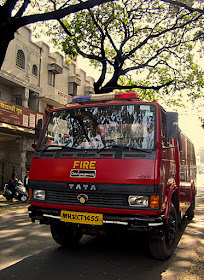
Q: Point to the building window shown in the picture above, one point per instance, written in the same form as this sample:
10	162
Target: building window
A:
163	124
35	70
72	89
18	100
20	59
51	78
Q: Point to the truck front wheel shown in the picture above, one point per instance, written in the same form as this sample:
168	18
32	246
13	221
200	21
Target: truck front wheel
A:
64	235
162	247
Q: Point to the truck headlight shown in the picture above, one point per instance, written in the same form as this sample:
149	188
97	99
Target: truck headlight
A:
39	194
138	200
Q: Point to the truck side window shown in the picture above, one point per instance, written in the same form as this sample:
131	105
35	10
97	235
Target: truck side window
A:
183	162
163	125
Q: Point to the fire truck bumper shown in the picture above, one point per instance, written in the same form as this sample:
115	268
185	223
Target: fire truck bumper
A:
135	223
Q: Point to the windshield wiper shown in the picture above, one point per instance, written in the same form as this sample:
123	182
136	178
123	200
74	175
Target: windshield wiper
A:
109	146
53	147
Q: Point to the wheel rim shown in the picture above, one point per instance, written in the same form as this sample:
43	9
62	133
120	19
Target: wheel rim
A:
23	198
170	234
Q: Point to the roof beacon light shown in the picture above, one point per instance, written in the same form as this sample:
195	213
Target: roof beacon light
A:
126	95
81	99
102	97
105	97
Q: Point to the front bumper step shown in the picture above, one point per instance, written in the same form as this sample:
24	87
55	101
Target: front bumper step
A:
137	223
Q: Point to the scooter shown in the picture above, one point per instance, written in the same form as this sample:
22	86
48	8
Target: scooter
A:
20	192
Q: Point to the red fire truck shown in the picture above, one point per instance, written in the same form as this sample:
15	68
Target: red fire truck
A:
111	162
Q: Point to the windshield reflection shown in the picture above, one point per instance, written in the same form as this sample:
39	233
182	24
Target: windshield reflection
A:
98	127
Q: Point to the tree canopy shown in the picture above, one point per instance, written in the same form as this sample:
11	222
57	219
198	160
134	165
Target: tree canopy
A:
190	5
17	13
148	40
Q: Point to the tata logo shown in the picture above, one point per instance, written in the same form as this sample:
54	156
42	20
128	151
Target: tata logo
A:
80	187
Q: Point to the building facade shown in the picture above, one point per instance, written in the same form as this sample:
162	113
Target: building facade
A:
31	80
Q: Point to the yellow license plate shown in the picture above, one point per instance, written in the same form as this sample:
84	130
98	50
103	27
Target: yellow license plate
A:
81	217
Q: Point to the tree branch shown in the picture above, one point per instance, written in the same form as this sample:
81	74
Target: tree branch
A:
101	78
85	55
110	39
64	28
151	36
58	13
111	88
103	55
22	9
9	5
165	48
183	5
62	7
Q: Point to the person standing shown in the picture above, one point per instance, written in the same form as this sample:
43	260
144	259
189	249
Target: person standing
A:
26	180
12	184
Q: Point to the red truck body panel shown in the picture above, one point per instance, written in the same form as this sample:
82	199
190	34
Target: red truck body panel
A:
115	171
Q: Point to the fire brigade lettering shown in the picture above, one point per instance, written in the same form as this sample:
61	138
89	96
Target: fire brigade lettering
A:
84	164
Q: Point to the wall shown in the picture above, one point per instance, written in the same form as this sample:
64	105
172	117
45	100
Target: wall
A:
20	85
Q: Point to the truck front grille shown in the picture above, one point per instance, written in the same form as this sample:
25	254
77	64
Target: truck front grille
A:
99	199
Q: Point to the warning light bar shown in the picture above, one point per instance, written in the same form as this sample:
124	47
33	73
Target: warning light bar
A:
81	99
106	97
123	95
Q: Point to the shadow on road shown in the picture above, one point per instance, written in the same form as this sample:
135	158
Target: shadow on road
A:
4	204
95	259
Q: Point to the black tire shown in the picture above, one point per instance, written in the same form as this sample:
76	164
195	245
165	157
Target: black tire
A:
191	210
23	198
162	247
8	197
65	235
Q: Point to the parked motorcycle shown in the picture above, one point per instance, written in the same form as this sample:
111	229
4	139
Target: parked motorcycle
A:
20	192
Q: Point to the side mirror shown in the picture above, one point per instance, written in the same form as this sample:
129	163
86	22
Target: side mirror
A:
172	125
38	129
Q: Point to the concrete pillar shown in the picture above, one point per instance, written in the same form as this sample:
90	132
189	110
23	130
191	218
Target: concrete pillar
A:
25	97
22	156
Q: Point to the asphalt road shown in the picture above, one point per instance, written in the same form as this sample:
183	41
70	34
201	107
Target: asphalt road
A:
29	252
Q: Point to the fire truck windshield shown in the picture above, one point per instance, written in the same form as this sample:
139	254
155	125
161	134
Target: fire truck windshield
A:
102	126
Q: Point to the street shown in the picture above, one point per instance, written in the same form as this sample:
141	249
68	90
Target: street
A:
29	252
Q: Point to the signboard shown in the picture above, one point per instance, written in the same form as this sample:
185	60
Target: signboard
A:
62	97
17	115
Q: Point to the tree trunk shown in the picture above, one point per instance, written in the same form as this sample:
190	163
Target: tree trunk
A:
6	35
3	47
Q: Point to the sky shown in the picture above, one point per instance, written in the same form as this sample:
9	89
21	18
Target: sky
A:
191	126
